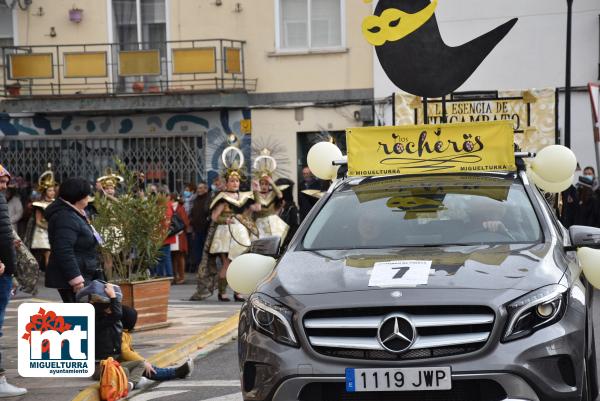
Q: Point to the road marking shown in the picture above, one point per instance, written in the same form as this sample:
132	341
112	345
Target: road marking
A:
156	394
230	397
200	383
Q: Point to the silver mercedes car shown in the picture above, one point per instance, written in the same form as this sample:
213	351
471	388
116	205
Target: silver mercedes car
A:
438	287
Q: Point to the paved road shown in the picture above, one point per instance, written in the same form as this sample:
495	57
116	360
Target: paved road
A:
214	379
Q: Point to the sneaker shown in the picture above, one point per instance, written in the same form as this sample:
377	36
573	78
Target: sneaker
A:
185	369
190	364
143	383
8	390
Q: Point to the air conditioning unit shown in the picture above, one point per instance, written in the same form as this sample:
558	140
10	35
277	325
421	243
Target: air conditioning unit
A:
364	114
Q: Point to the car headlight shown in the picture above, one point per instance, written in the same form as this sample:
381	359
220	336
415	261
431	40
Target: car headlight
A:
273	319
538	309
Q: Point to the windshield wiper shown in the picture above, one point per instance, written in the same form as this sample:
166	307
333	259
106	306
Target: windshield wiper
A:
438	245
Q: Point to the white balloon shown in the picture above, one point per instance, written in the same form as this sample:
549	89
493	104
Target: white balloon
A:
589	260
320	156
247	271
554	163
554	187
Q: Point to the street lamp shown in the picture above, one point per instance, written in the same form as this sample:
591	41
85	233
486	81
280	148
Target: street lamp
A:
568	77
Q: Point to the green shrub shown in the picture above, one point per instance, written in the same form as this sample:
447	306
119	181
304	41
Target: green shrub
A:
132	227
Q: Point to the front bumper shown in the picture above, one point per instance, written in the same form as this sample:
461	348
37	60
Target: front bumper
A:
548	365
292	388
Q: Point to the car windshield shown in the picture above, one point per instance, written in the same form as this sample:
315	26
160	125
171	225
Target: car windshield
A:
414	211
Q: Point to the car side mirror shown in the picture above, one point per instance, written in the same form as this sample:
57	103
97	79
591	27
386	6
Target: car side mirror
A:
267	246
584	236
587	241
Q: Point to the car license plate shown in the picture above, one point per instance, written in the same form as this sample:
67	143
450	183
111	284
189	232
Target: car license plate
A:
400	379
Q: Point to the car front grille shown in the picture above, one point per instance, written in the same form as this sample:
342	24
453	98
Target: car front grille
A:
440	331
462	390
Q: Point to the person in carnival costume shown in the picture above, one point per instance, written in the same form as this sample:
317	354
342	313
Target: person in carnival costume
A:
107	187
38	226
269	196
231	212
231	231
107	184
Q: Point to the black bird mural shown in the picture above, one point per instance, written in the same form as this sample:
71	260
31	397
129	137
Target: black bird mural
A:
413	54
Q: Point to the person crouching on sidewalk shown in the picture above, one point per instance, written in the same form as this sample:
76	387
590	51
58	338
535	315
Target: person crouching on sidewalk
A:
109	330
128	354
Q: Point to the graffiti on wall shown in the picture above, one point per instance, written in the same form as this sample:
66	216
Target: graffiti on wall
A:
215	126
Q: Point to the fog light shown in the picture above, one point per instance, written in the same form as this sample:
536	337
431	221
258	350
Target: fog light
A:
545	310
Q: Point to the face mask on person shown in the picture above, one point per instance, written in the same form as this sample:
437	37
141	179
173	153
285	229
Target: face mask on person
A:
187	194
214	188
589	176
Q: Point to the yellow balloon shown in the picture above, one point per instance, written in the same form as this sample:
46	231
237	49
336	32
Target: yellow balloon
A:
248	270
320	158
554	163
589	260
554	187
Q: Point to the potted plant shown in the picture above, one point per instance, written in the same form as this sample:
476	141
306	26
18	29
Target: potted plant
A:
133	230
75	15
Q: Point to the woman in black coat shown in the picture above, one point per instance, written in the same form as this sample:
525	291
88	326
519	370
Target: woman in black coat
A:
288	211
74	259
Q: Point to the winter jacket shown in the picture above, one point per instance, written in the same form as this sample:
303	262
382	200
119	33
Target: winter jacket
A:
7	245
587	212
127	351
169	214
74	247
290	214
200	217
109	330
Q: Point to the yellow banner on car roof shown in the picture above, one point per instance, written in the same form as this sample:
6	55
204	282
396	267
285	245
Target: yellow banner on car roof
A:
427	149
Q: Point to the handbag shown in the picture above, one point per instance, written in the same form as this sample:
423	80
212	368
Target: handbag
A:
177	225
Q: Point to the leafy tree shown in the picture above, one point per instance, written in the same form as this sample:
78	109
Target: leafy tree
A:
132	226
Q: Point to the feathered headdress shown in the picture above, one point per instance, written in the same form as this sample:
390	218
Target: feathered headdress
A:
109	180
46	180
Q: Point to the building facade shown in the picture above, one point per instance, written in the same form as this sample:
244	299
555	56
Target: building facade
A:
166	85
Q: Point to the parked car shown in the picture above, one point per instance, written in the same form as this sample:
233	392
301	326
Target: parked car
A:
429	287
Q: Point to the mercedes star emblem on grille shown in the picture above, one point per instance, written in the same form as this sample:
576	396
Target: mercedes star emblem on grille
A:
396	333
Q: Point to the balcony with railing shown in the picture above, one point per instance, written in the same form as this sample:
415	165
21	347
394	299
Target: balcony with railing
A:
134	68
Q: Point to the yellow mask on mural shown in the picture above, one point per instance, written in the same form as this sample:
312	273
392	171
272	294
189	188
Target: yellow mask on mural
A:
394	24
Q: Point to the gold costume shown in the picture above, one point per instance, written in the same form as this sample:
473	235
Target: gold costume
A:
40	232
232	239
112	235
267	220
39	237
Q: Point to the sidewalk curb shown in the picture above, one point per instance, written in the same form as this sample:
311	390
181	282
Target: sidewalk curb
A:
175	353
